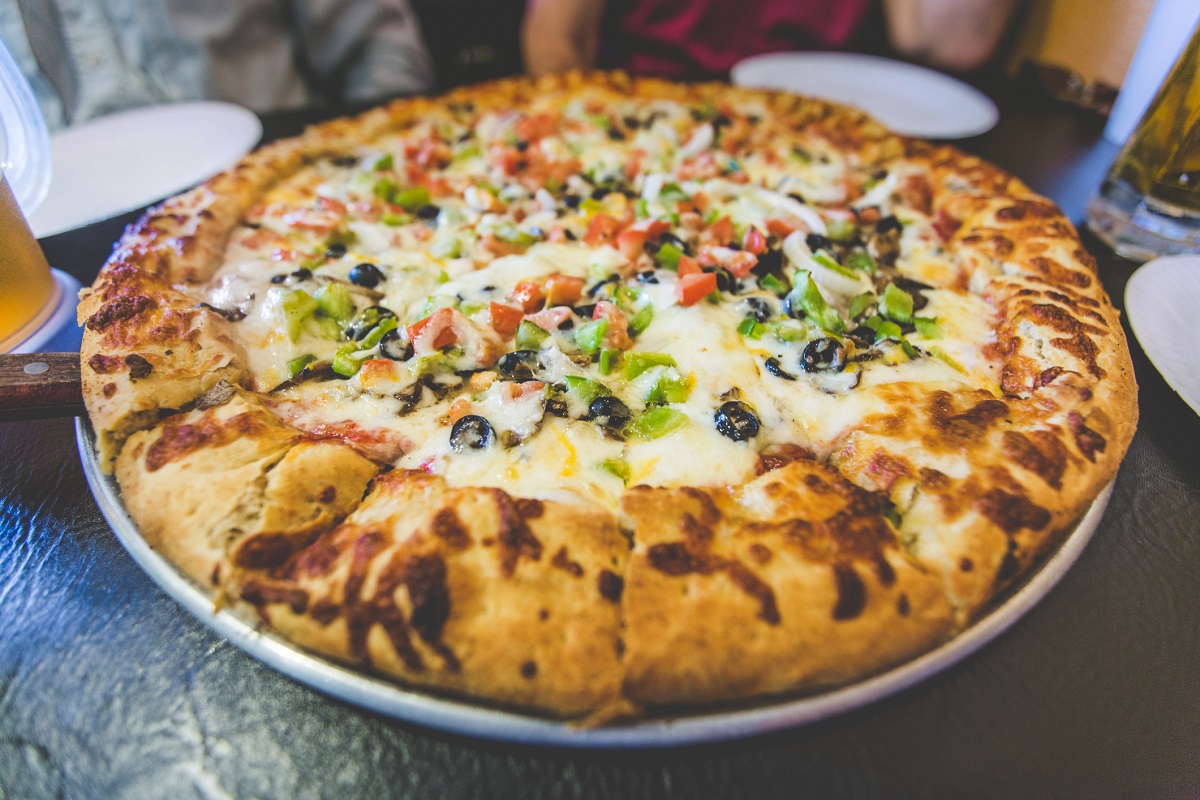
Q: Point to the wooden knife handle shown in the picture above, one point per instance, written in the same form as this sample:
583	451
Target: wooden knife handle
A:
40	385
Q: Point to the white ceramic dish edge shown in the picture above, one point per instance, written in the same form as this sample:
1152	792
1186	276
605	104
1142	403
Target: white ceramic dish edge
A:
119	163
911	99
1161	299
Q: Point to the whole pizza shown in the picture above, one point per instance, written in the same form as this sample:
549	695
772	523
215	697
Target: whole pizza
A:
591	394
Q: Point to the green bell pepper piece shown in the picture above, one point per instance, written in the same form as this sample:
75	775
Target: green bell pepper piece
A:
896	304
656	422
807	297
530	336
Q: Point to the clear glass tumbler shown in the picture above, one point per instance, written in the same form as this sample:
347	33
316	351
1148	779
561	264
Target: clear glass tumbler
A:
1149	204
28	291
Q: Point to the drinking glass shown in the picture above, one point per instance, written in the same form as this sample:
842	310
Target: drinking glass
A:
28	291
1149	204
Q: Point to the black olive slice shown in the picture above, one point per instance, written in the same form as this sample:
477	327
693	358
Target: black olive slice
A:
769	262
816	241
889	223
395	347
759	308
863	335
519	365
775	368
823	356
335	250
366	320
735	420
608	412
366	274
471	432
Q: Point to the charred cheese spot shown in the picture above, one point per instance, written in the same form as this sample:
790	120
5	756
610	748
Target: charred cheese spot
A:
263	592
179	439
138	366
105	365
514	537
610	585
118	310
1012	512
449	528
1040	452
1087	440
562	560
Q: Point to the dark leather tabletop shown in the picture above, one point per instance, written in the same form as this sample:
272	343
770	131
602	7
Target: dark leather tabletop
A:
108	689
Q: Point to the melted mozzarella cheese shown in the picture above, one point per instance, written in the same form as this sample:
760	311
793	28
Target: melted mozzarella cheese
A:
410	404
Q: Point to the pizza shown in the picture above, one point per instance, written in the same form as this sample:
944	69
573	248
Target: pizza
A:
590	395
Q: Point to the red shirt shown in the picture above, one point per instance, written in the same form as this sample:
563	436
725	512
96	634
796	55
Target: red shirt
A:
704	38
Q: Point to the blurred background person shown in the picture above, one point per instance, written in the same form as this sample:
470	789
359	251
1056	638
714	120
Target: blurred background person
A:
88	58
705	38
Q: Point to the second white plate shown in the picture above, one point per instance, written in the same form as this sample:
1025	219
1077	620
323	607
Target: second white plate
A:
1161	300
908	99
125	161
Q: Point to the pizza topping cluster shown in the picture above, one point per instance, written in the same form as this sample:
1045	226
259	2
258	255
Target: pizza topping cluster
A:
495	293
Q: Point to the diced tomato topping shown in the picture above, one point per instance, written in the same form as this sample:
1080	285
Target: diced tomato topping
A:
549	319
460	409
436	331
688	266
721	231
741	263
500	248
633	164
536	126
691	289
738	262
514	161
618	325
312	219
433	152
529	295
781	227
631	243
330	204
653	228
504	319
602	230
563	290
511	390
754	241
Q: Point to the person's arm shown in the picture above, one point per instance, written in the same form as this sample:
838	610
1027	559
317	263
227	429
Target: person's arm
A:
560	35
958	35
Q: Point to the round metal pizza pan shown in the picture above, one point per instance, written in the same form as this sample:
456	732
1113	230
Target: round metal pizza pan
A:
477	720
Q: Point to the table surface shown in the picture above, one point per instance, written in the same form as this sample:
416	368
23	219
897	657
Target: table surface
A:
109	689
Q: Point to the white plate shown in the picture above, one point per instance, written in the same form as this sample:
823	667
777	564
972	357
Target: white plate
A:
126	161
1161	300
908	99
476	719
